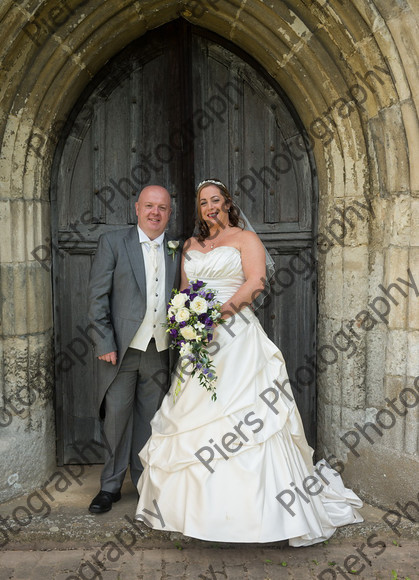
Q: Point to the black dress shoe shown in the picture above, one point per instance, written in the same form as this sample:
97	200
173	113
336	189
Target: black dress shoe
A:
103	502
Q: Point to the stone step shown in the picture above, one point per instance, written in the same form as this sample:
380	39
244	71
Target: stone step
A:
58	517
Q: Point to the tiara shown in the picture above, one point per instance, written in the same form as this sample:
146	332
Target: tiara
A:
213	181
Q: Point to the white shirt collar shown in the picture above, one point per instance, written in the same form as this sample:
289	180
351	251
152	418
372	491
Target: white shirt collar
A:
144	238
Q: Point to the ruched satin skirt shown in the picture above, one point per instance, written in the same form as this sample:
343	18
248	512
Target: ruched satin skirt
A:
239	469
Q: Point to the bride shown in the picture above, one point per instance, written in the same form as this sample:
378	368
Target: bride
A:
238	469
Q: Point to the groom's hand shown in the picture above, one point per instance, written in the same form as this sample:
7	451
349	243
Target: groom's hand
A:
109	357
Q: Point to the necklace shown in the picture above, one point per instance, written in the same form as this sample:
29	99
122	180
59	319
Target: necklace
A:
214	236
214	244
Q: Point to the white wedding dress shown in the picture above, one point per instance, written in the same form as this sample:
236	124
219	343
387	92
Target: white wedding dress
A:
214	470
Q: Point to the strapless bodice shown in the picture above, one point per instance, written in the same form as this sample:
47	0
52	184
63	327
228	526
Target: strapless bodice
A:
221	269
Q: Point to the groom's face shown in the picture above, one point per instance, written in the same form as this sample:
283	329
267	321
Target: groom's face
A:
153	210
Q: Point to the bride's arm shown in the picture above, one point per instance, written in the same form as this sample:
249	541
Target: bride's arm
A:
254	268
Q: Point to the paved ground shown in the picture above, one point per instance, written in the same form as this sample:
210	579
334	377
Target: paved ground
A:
324	562
50	535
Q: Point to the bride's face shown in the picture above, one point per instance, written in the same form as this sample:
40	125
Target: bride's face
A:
213	207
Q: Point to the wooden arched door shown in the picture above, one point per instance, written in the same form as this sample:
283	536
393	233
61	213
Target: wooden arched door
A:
176	106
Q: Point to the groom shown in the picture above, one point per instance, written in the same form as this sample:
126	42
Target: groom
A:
130	284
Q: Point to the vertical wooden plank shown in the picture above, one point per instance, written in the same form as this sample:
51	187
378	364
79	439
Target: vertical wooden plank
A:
304	176
184	124
98	170
136	167
80	201
116	153
256	173
275	193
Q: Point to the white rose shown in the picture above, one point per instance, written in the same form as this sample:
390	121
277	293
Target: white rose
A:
179	300
199	305
188	333
171	312
172	248
182	315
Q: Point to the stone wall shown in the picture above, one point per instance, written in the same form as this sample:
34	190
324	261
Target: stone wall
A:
350	69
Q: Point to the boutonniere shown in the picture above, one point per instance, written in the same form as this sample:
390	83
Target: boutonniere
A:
172	248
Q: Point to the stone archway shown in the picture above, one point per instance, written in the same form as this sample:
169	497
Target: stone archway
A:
349	70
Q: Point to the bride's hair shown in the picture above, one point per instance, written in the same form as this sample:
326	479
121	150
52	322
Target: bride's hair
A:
233	212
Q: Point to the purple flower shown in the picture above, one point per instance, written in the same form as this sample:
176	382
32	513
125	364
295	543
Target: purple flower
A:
173	332
182	324
198	365
210	296
208	322
192	296
202	317
209	337
197	285
172	319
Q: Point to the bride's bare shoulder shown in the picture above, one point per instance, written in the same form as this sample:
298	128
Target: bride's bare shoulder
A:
247	238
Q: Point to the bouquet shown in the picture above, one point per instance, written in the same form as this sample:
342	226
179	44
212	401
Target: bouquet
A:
191	317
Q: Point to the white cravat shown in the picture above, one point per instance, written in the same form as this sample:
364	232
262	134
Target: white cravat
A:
152	327
154	246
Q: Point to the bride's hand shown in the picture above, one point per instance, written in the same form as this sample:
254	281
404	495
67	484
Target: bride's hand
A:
226	311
